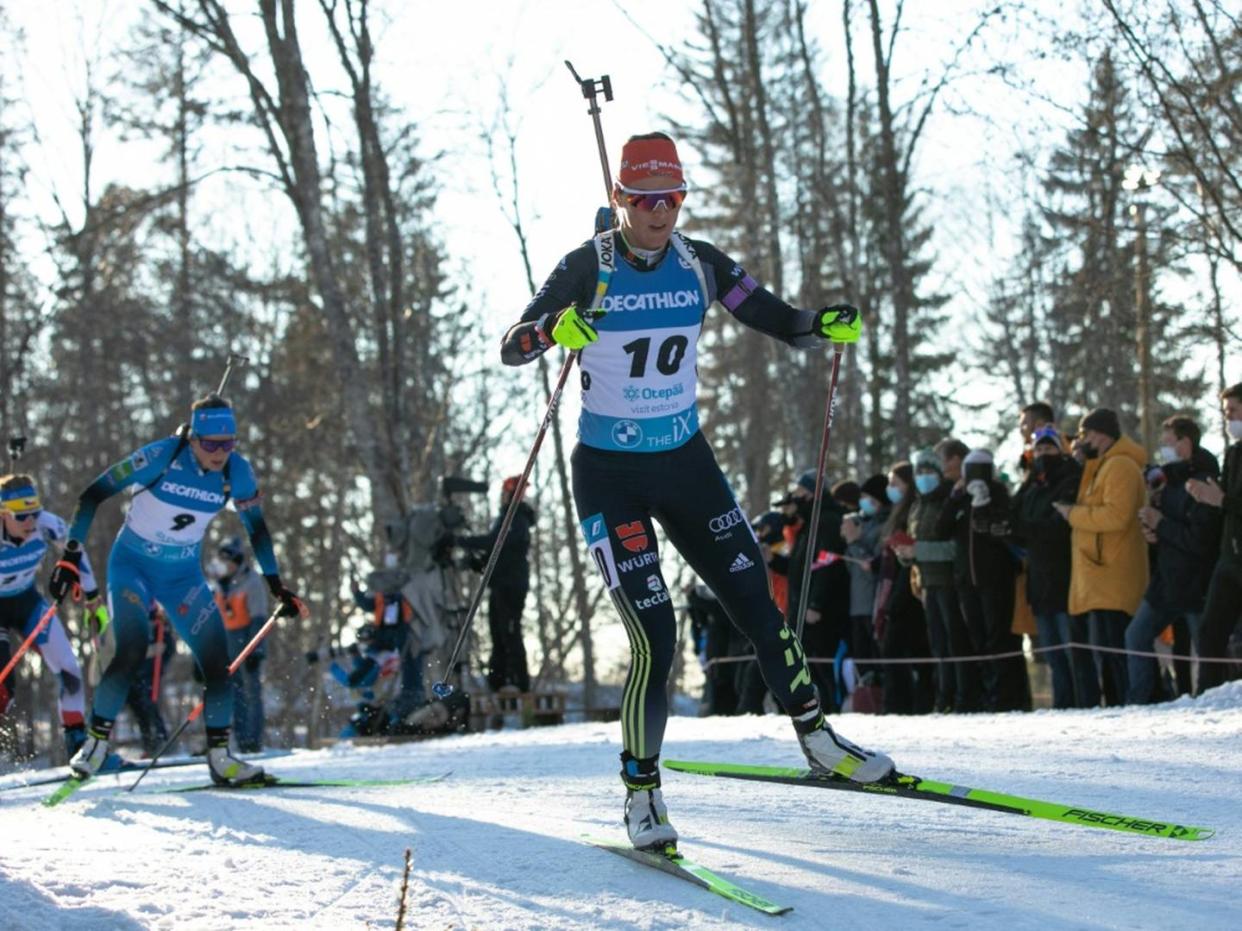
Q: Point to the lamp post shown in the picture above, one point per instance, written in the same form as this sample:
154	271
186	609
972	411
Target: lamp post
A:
1139	179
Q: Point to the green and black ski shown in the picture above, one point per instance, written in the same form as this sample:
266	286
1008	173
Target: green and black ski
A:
275	782
66	789
671	861
915	787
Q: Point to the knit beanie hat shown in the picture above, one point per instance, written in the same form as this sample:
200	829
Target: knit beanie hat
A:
1102	420
847	492
1047	434
877	487
649	158
926	458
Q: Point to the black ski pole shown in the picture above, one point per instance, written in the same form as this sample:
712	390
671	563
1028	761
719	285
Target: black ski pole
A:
591	87
813	529
233	359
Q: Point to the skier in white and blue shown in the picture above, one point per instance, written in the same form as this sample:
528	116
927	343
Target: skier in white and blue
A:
180	484
28	531
632	301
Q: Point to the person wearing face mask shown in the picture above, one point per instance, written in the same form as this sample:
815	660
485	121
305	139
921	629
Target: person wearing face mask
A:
1109	554
1221	611
984	571
957	684
244	607
1185	535
898	619
863	535
1053	476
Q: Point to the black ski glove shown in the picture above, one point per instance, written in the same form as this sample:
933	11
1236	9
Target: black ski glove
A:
66	580
290	604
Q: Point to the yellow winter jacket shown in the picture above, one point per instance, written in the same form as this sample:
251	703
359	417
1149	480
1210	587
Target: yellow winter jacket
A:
1109	565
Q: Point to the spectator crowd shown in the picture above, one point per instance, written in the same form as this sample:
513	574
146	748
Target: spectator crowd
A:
923	580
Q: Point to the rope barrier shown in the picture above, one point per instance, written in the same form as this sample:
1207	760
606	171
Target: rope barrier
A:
984	657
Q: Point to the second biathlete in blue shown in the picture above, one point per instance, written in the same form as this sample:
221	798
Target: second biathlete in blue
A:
178	486
27	532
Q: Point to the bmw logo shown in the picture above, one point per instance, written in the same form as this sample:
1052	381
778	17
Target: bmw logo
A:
627	434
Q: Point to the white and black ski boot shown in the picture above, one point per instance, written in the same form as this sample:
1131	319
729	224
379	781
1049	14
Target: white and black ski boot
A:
646	817
829	752
90	756
228	770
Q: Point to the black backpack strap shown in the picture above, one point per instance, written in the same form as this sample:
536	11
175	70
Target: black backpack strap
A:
183	440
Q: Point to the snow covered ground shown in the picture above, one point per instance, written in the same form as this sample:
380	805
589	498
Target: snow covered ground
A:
495	845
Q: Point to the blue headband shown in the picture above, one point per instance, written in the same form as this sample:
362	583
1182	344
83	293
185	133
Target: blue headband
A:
213	421
20	500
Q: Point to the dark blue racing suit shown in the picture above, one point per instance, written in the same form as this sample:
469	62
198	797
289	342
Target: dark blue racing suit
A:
641	456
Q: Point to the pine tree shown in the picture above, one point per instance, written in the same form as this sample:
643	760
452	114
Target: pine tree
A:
1088	214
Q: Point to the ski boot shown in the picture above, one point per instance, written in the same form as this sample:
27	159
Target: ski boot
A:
828	752
646	816
91	756
228	770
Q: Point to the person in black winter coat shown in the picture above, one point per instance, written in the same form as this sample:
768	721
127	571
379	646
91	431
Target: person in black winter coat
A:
1185	535
508	587
1221	612
977	516
715	638
828	599
1053	476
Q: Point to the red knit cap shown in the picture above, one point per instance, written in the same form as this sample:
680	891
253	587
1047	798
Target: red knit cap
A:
509	485
646	158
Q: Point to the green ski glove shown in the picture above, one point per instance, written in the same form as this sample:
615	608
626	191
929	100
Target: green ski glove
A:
840	323
566	328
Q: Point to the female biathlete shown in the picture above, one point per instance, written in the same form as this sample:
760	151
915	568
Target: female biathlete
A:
179	485
641	456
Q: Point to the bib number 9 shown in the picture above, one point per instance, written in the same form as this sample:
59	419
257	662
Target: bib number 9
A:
181	521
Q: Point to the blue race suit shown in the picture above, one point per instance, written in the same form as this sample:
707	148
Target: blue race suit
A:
21	606
156	558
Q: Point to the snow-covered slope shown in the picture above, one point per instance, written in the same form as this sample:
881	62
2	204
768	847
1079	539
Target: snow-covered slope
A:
496	844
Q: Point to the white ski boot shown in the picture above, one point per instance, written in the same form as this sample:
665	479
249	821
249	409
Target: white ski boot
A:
228	770
828	752
90	756
646	818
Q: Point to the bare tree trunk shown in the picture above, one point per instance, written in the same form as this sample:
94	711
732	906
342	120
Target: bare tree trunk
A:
288	125
857	435
182	306
582	606
385	244
894	240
